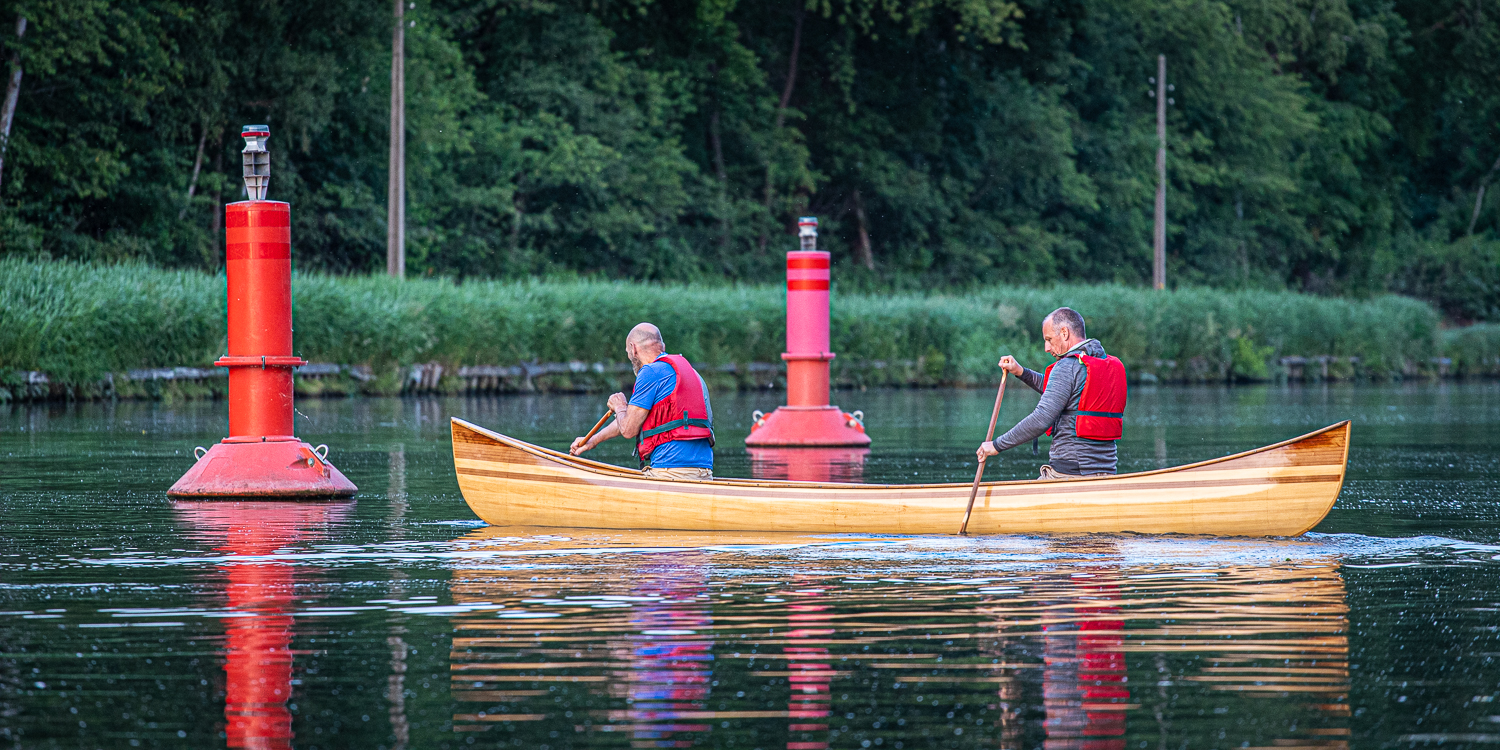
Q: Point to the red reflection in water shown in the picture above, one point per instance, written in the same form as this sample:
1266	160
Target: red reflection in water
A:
811	672
258	662
671	661
809	464
1084	688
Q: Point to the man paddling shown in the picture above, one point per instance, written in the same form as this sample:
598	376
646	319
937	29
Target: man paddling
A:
1082	406
668	413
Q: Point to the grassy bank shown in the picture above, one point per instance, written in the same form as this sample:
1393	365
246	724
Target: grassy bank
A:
78	322
1473	351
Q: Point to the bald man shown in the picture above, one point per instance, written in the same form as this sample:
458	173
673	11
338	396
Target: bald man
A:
668	413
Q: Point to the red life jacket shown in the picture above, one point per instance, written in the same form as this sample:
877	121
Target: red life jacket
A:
1101	407
683	415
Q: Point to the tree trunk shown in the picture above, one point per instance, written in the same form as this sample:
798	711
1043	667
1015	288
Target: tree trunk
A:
1479	199
197	167
518	202
216	221
12	93
786	98
862	249
791	71
1239	228
717	144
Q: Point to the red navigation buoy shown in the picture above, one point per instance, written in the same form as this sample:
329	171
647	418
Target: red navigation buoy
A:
807	419
261	457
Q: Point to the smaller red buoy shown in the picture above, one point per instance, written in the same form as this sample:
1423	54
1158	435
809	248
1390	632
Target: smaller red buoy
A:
807	419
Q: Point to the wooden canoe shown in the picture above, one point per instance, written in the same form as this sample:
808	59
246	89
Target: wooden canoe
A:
1279	490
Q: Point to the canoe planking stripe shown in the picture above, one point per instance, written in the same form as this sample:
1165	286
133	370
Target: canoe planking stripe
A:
538	469
1219	472
1050	488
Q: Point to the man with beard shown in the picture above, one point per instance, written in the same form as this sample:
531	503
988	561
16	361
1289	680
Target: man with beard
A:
668	413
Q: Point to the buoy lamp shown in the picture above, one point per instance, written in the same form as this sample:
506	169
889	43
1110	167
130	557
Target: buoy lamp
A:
262	457
807	419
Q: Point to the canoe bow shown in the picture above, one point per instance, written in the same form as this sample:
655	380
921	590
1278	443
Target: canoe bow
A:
1283	489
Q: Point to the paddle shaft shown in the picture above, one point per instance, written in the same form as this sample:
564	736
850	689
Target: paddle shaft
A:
599	425
988	436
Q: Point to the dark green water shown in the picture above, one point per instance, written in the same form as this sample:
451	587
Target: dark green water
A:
398	620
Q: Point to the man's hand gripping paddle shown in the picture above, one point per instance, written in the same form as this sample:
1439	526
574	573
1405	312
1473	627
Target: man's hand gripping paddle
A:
973	493
597	426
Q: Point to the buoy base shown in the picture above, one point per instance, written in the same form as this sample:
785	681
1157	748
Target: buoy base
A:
281	467
808	426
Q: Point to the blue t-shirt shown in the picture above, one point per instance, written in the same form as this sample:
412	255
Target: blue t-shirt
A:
653	383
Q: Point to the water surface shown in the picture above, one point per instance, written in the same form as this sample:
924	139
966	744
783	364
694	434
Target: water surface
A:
398	620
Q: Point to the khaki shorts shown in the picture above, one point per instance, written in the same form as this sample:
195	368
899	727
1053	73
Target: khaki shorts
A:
1050	473
690	474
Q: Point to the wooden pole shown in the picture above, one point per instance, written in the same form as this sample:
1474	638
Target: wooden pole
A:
395	233
1159	256
979	474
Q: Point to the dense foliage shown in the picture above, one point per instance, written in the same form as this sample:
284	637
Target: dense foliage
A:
1332	146
78	322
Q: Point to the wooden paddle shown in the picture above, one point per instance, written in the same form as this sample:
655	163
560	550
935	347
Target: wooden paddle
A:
988	436
600	424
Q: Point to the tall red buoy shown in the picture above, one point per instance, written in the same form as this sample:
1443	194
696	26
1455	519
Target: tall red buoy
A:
807	419
261	457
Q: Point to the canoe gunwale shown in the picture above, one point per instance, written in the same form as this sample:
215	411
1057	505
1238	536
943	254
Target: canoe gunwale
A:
597	467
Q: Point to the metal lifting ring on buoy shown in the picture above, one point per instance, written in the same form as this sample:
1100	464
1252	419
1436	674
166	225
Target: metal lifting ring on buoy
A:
757	419
321	452
856	420
199	453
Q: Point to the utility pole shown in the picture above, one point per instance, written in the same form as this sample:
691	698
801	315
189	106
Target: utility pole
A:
395	212
1159	257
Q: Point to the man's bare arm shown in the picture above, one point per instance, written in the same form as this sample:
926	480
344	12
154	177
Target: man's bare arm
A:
631	423
627	425
579	446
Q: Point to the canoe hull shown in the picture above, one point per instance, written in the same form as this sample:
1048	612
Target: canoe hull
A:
1280	490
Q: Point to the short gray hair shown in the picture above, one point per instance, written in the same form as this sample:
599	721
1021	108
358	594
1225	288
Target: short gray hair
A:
1069	318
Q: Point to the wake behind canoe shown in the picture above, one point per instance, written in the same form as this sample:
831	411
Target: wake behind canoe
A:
1283	489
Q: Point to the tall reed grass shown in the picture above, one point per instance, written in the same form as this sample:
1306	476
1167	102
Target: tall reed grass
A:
1475	350
79	321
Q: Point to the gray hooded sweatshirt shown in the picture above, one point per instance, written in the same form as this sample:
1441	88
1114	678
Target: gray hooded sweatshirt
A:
1069	454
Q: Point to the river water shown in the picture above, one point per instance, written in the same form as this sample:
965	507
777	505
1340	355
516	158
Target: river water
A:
399	620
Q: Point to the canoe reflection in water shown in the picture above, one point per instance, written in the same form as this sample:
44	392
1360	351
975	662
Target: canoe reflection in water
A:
258	656
675	640
1085	689
671	658
1276	632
